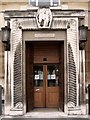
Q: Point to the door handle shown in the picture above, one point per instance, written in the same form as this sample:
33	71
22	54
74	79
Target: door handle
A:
37	90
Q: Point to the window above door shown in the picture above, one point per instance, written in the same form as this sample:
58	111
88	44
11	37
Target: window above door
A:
44	3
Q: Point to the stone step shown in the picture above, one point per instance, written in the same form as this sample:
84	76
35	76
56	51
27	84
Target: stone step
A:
61	118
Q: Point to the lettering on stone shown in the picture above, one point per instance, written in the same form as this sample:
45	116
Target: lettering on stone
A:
44	35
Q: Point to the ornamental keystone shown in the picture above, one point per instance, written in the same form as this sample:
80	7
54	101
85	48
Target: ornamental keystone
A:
44	18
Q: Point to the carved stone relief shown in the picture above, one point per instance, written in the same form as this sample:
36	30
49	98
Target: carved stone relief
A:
70	24
44	18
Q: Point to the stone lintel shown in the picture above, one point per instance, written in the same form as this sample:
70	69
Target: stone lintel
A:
31	13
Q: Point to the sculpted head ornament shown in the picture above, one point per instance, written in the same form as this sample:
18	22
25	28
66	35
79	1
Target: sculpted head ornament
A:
44	18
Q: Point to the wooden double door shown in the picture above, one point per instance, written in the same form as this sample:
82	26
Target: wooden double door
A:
46	85
44	75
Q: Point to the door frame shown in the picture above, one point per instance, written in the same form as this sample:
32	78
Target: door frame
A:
29	77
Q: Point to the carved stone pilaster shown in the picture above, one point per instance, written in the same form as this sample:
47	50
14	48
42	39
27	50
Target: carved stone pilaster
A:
16	68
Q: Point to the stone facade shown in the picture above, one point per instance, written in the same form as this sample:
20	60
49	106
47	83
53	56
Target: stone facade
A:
20	14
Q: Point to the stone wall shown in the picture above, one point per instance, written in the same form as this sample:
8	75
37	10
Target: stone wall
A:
28	0
87	48
1	64
23	5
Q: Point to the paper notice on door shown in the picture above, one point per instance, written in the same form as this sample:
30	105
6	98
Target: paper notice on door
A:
41	76
49	77
36	77
53	76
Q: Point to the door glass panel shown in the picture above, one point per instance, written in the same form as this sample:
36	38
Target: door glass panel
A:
53	75
38	75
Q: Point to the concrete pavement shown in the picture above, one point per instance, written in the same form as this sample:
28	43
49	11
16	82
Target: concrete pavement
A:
62	118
